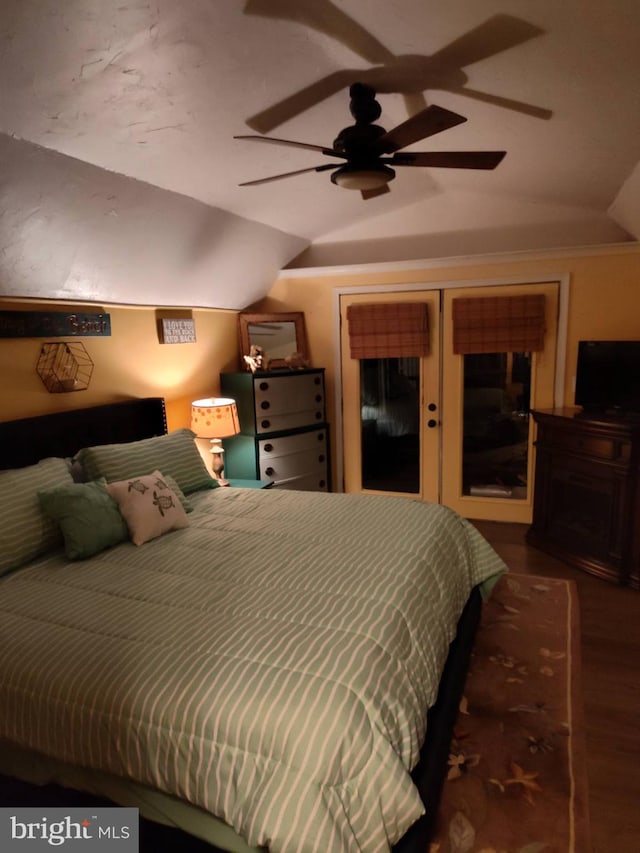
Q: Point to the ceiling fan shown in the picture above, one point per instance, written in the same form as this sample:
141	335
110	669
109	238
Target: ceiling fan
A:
369	151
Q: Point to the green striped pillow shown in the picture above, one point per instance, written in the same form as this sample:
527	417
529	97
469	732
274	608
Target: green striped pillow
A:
174	454
25	531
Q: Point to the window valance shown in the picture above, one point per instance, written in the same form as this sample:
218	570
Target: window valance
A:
498	324
388	330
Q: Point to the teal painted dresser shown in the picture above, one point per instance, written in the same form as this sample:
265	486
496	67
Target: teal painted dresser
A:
284	433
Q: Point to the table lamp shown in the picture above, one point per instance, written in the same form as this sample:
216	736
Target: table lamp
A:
215	418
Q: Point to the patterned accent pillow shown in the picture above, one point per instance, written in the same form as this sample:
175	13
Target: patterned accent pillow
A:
149	506
88	517
25	531
175	454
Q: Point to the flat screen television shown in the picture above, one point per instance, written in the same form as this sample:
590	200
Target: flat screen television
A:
608	376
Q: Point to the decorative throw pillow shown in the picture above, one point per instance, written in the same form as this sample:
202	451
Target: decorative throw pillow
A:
149	506
88	517
25	531
174	454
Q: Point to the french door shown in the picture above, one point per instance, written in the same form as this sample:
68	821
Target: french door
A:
390	446
444	427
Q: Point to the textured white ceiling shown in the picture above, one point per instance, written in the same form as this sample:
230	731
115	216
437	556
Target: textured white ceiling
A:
155	91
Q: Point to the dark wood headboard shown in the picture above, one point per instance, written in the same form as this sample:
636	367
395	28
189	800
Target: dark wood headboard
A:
26	441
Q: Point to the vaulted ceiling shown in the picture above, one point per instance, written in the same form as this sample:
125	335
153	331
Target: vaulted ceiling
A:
119	169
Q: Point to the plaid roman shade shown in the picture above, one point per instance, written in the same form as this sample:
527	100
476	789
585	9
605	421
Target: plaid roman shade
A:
388	330
498	324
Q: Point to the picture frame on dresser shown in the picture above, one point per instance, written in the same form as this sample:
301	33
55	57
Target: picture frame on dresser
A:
278	335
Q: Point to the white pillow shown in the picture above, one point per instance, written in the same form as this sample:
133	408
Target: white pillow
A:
149	506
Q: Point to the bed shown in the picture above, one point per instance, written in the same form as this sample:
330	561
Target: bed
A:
261	675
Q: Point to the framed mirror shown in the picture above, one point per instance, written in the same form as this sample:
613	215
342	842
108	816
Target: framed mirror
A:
280	336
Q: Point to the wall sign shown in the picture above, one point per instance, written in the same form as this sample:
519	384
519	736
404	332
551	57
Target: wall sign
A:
177	331
57	324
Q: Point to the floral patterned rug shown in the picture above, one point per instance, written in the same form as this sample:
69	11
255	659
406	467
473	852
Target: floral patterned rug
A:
517	776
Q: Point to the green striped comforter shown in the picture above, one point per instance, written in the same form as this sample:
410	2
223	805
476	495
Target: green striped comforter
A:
273	663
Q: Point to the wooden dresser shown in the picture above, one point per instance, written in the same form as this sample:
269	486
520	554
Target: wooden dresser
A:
587	492
284	433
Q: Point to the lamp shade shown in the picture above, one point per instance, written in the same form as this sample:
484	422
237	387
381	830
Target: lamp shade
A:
215	417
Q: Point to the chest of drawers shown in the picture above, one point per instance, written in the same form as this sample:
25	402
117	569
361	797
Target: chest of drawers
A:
284	434
587	493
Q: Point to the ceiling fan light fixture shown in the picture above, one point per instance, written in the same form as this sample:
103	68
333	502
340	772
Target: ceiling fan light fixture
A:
370	178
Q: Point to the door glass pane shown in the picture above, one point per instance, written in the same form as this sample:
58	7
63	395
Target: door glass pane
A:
495	447
390	424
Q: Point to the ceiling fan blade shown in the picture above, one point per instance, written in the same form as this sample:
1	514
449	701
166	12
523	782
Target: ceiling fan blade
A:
367	194
415	102
302	100
322	168
307	145
324	17
449	159
507	103
498	33
425	123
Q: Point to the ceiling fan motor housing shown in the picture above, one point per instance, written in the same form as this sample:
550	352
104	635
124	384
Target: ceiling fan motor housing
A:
357	142
364	169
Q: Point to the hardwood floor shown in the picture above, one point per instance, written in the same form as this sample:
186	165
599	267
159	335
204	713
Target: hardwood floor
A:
610	646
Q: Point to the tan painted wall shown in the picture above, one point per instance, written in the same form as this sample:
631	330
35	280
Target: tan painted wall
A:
130	363
604	299
604	303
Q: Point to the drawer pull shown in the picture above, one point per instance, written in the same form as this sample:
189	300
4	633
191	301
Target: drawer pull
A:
265	404
318	398
263	386
321	457
318	416
268	448
265	424
320	436
268	471
322	484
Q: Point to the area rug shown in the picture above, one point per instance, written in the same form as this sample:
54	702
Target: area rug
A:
517	778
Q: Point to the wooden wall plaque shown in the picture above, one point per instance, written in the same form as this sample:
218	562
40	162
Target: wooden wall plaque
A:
53	324
177	331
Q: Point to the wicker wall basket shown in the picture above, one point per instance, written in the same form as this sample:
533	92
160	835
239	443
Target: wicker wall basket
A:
64	367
